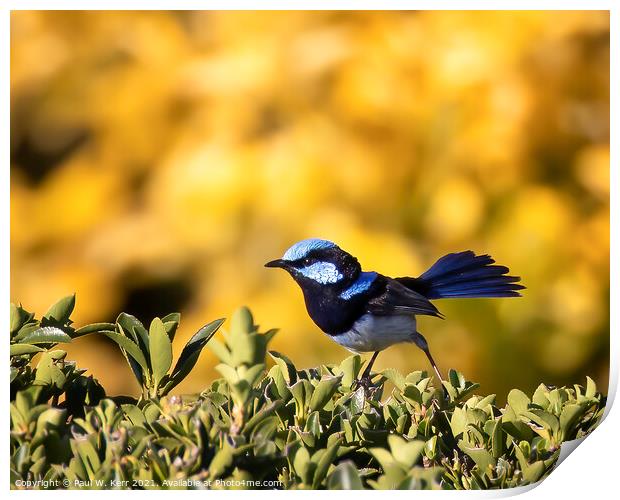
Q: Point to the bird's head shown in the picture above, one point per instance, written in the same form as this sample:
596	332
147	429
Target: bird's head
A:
317	263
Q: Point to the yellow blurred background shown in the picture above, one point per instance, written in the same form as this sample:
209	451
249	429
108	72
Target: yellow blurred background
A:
159	159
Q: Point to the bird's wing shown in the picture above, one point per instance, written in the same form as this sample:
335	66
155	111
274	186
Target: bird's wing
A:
395	298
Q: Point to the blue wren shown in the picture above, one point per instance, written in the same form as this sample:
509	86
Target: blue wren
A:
365	311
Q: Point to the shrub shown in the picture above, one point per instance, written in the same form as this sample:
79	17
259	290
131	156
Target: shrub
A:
284	428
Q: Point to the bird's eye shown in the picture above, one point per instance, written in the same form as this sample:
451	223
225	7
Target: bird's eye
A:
307	261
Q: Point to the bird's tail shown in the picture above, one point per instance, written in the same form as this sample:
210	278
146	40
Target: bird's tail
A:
466	274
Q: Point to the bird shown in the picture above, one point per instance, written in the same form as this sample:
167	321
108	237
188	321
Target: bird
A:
365	311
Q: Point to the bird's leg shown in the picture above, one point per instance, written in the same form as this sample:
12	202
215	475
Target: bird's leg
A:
420	341
366	374
364	380
430	358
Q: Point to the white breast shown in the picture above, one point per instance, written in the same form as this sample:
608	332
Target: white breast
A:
375	333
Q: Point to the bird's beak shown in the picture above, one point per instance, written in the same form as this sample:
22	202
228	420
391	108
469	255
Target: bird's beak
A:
277	263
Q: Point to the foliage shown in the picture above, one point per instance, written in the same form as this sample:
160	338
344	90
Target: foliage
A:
53	376
285	427
149	353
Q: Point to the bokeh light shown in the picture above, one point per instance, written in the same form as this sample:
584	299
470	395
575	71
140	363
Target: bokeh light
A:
158	159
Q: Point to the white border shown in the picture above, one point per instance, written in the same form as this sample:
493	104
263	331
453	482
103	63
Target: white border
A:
587	473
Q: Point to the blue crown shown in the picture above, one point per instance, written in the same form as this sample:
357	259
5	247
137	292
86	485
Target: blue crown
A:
302	248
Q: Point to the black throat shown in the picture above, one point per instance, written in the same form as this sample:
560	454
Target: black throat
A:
329	311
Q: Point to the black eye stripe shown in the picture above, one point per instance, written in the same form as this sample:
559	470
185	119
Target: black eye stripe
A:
306	261
321	255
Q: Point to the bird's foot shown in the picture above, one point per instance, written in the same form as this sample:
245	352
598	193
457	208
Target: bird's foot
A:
366	383
440	398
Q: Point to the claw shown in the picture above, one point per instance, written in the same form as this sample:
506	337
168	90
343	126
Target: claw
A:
366	383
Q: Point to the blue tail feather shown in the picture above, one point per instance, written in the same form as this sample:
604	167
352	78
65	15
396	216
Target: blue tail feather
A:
466	274
488	272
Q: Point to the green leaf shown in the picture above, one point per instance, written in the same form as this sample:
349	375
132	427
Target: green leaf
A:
568	418
523	452
301	462
228	372
515	427
412	394
128	346
221	351
268	335
480	456
458	421
540	396
240	391
241	322
265	430
61	310
534	472
25	330
26	399
252	374
52	417
350	369
395	377
46	335
302	391
313	424
277	380
48	373
543	419
518	401
21	349
136	368
476	416
171	322
498	439
430	448
486	402
450	389
324	463
191	351
456	379
261	415
92	328
345	477
590	388
323	392
88	455
286	365
384	457
16	319
134	328
160	350
134	414
151	412
358	399
406	453
246	349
